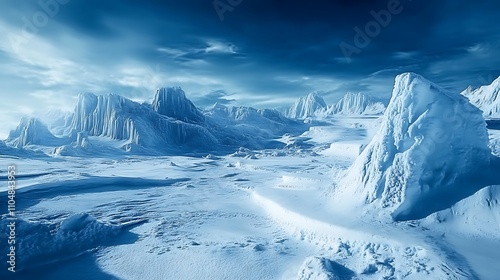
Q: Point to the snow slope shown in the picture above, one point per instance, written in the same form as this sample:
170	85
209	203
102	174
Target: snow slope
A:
430	152
264	212
486	98
306	106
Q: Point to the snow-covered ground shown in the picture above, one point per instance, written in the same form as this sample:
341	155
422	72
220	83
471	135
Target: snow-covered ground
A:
256	216
337	197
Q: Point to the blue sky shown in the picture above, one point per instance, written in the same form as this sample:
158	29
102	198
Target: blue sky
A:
261	54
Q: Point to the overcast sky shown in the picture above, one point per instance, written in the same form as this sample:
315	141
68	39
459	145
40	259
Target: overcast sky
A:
257	53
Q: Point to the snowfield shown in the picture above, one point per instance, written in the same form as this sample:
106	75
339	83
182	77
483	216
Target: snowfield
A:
252	194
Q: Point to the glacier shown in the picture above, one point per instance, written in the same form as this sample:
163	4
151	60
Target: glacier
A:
354	190
171	124
431	151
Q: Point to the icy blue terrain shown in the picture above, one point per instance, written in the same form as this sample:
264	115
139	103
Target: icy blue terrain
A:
166	190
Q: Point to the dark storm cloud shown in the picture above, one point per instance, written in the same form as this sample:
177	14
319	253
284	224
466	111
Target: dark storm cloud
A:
278	48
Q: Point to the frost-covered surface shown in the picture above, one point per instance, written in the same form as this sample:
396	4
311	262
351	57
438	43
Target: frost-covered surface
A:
320	268
486	98
43	243
430	152
306	106
262	211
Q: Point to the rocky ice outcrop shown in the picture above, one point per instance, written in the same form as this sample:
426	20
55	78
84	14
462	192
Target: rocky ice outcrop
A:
107	115
431	151
306	106
31	131
357	104
119	118
171	124
486	98
172	102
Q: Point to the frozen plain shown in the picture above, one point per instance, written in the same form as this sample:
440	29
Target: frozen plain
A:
251	214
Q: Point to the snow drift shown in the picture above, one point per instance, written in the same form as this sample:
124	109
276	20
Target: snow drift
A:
431	151
43	243
486	98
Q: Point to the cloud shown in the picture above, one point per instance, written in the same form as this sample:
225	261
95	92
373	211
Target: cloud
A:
217	96
265	53
220	47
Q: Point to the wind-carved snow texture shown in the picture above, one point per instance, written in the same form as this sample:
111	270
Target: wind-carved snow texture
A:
486	98
306	106
357	104
42	243
320	268
431	151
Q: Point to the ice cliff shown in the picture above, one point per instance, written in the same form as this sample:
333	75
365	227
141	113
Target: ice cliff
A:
431	151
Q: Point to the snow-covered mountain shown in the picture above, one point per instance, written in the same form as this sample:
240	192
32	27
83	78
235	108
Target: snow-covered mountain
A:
32	131
313	105
486	98
264	118
357	104
306	106
172	102
430	152
172	123
158	126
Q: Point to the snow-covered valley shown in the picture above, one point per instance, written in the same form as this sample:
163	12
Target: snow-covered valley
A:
251	194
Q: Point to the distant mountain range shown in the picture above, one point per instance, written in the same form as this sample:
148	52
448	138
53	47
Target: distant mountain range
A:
313	105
